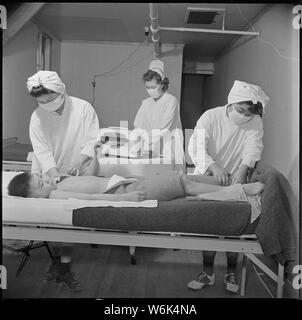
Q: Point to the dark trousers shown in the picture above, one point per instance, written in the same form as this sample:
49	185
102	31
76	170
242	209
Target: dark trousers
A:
209	257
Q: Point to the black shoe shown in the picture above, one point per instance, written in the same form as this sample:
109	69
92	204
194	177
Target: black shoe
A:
70	281
231	283
51	274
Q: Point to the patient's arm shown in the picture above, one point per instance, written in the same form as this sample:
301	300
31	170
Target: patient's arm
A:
130	196
94	168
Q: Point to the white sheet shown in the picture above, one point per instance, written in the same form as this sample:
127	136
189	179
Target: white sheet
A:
76	204
35	211
55	211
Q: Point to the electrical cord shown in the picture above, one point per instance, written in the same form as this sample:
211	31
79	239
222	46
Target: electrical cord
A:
129	67
265	41
118	72
107	73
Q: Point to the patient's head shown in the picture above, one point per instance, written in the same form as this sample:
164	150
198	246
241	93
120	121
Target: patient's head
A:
29	185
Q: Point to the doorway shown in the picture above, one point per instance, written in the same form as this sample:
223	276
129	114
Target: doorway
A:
191	105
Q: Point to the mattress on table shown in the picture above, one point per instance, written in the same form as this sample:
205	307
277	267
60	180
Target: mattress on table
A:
16	152
180	215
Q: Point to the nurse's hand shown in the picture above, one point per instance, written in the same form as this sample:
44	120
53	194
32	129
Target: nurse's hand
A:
220	174
53	174
78	168
73	170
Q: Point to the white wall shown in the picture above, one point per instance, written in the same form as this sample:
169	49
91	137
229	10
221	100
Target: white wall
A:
118	96
20	62
257	62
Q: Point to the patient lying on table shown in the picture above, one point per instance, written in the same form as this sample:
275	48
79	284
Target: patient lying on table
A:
165	187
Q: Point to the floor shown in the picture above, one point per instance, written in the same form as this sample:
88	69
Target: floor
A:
106	272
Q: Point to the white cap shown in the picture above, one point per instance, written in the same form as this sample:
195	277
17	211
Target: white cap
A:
48	79
158	67
243	91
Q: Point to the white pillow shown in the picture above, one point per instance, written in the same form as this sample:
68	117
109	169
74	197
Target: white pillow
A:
7	176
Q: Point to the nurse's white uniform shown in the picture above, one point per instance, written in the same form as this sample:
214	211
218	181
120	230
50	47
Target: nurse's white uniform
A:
163	114
58	140
227	144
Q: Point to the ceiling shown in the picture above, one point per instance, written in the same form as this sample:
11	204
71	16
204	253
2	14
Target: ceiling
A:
125	22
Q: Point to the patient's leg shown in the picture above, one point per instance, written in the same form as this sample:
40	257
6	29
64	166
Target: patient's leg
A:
195	188
202	178
94	168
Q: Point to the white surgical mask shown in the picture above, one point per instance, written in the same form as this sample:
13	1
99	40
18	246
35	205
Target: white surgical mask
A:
154	93
54	104
238	118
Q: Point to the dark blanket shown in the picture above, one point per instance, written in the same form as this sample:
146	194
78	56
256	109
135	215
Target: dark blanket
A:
275	229
179	215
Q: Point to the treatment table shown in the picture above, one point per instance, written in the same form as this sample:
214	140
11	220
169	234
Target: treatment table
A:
222	226
176	224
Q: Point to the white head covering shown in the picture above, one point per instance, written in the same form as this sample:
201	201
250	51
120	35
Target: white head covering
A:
243	91
48	79
158	66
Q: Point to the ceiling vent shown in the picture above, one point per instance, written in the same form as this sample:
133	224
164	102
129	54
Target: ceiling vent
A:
202	15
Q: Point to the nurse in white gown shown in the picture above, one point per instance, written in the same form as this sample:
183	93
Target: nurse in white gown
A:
227	140
63	129
161	111
226	143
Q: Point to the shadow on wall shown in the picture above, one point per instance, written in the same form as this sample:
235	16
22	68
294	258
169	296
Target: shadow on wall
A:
171	52
293	175
293	194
